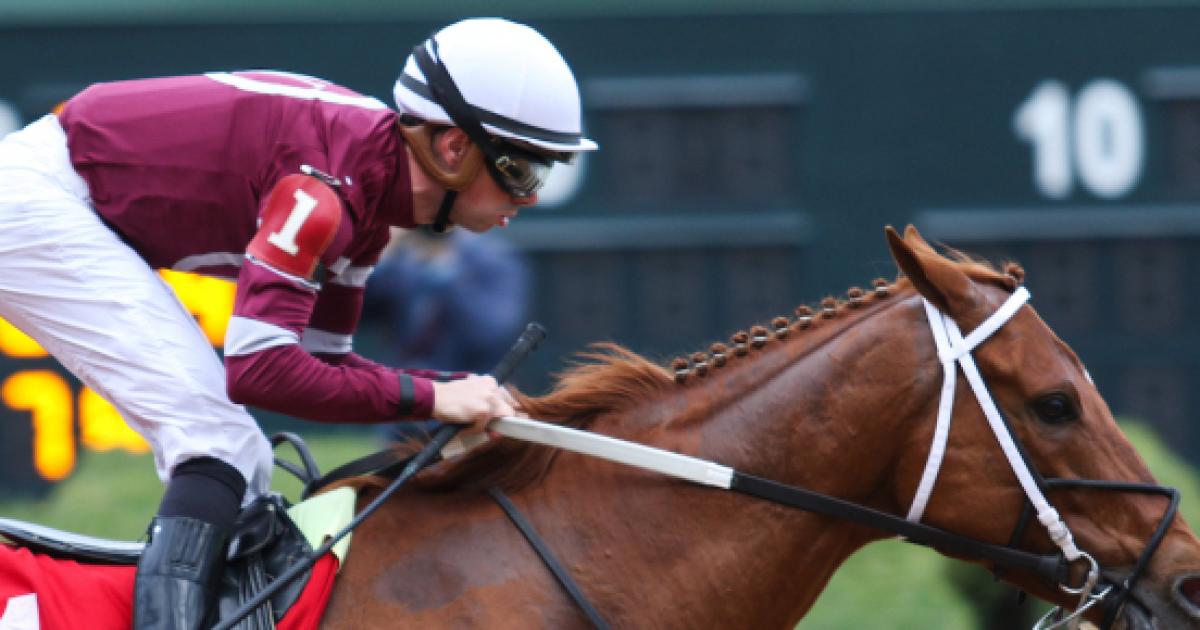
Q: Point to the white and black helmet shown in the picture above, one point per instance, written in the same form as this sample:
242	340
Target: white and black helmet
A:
512	79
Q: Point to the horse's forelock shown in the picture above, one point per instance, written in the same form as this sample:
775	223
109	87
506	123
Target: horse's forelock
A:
1007	277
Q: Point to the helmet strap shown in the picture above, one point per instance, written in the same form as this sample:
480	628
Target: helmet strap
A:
442	221
420	140
446	94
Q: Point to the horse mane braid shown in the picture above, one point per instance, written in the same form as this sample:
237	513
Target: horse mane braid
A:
610	378
701	364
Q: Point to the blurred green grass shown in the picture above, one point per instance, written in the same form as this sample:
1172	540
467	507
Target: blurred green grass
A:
114	494
901	586
889	584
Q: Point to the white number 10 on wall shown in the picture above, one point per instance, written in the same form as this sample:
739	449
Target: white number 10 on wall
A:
1097	139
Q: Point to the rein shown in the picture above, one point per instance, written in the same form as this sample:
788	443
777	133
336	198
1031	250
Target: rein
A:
525	344
953	349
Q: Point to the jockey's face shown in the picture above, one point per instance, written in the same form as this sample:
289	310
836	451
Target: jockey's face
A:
483	205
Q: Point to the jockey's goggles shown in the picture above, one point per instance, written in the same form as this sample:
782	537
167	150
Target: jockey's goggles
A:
518	171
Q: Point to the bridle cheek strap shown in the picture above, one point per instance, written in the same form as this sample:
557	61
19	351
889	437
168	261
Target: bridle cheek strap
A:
953	348
941	432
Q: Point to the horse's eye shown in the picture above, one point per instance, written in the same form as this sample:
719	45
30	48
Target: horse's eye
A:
1055	409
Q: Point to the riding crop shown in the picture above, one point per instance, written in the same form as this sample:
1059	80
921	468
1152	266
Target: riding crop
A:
528	341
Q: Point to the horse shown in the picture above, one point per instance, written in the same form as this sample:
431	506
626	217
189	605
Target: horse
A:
842	400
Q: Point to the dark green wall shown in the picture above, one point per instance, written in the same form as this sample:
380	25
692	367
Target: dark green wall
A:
864	118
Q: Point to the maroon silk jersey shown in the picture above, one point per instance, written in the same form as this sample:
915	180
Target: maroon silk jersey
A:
181	168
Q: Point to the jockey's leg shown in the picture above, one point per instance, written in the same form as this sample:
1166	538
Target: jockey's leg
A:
180	569
92	302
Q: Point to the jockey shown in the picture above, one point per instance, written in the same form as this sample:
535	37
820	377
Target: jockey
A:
290	185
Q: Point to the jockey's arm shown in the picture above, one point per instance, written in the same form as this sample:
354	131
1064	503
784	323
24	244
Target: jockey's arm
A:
328	336
304	224
335	316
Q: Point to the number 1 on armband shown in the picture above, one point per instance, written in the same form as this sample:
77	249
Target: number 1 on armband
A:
285	238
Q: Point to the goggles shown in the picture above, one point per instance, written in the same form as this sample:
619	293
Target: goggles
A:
520	173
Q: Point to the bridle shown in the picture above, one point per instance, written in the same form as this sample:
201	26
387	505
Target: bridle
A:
954	351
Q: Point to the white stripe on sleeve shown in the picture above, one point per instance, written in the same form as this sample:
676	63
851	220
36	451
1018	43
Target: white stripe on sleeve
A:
211	259
316	340
246	336
353	276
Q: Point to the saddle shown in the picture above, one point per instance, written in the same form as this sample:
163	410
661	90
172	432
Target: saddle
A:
264	543
69	546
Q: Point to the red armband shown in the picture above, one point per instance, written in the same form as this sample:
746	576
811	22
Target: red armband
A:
299	219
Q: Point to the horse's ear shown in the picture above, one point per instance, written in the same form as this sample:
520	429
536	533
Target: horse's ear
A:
935	277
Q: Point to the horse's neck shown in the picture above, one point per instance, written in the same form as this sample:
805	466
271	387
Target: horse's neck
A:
797	409
661	554
801	414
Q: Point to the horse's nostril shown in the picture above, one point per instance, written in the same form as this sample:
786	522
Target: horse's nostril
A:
1190	589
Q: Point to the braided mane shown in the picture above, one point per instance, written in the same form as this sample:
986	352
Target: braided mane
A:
610	378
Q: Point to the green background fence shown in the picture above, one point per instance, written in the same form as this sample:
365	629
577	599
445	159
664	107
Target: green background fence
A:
750	157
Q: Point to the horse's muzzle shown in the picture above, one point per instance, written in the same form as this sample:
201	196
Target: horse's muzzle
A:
1155	606
1187	591
1134	617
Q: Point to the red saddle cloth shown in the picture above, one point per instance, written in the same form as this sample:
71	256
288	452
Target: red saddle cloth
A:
67	595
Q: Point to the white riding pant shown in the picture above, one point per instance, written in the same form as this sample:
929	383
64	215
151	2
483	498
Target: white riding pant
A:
92	302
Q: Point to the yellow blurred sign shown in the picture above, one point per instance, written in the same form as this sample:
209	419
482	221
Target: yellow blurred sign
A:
47	394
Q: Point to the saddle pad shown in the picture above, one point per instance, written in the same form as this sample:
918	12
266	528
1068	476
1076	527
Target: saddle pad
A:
324	515
42	593
38	592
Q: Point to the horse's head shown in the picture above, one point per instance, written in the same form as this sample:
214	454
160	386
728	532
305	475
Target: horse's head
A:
1063	429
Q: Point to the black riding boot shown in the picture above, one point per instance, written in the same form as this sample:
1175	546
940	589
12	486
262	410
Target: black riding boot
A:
178	574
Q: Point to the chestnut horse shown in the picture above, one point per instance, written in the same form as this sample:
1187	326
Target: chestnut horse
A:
844	402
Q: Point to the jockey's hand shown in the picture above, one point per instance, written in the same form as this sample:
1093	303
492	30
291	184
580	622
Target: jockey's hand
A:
512	402
474	400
